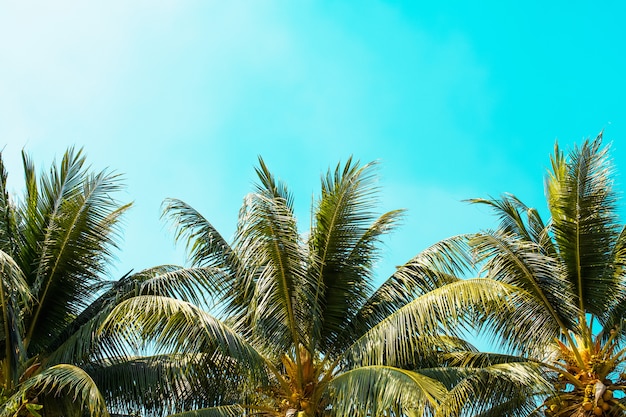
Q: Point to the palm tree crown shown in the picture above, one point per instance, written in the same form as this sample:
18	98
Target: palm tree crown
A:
296	325
568	278
55	245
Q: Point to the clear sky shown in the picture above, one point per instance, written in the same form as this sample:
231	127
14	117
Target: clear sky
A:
455	99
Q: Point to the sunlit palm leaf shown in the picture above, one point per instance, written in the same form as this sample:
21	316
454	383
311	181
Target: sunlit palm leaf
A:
451	309
222	411
62	386
343	247
272	248
512	389
14	295
175	325
583	207
523	264
520	220
374	390
204	243
79	235
434	267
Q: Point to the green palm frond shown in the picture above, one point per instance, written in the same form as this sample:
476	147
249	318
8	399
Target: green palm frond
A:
613	317
451	309
8	219
166	384
375	390
63	388
188	284
584	222
274	255
221	411
438	265
15	296
523	264
343	246
511	389
76	239
518	219
178	326
205	245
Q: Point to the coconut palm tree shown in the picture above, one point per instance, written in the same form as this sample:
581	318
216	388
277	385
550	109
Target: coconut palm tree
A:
295	325
55	247
570	271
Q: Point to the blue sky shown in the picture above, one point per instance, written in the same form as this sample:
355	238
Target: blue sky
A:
455	99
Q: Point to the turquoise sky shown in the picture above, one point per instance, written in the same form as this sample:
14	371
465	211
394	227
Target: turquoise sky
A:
455	99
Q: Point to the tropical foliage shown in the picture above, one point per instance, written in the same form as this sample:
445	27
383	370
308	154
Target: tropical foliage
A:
295	325
568	279
55	247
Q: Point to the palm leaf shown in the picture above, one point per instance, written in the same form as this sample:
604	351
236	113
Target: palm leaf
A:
434	267
374	390
342	246
166	384
177	326
62	387
76	241
205	245
583	207
450	310
14	296
221	411
523	264
270	244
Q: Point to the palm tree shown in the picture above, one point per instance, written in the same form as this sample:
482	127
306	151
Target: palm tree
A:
292	324
566	283
55	247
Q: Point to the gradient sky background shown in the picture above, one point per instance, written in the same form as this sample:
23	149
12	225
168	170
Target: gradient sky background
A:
455	99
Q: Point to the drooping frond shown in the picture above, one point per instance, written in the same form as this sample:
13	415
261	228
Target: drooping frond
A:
166	384
222	411
438	265
508	388
380	390
614	315
519	220
453	308
523	264
14	296
62	388
205	245
172	326
8	220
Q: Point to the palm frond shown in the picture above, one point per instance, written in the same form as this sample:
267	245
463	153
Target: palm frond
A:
61	387
517	219
177	326
8	221
15	296
523	264
509	388
271	246
584	222
342	246
222	411
165	384
438	265
76	241
205	245
377	390
497	307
